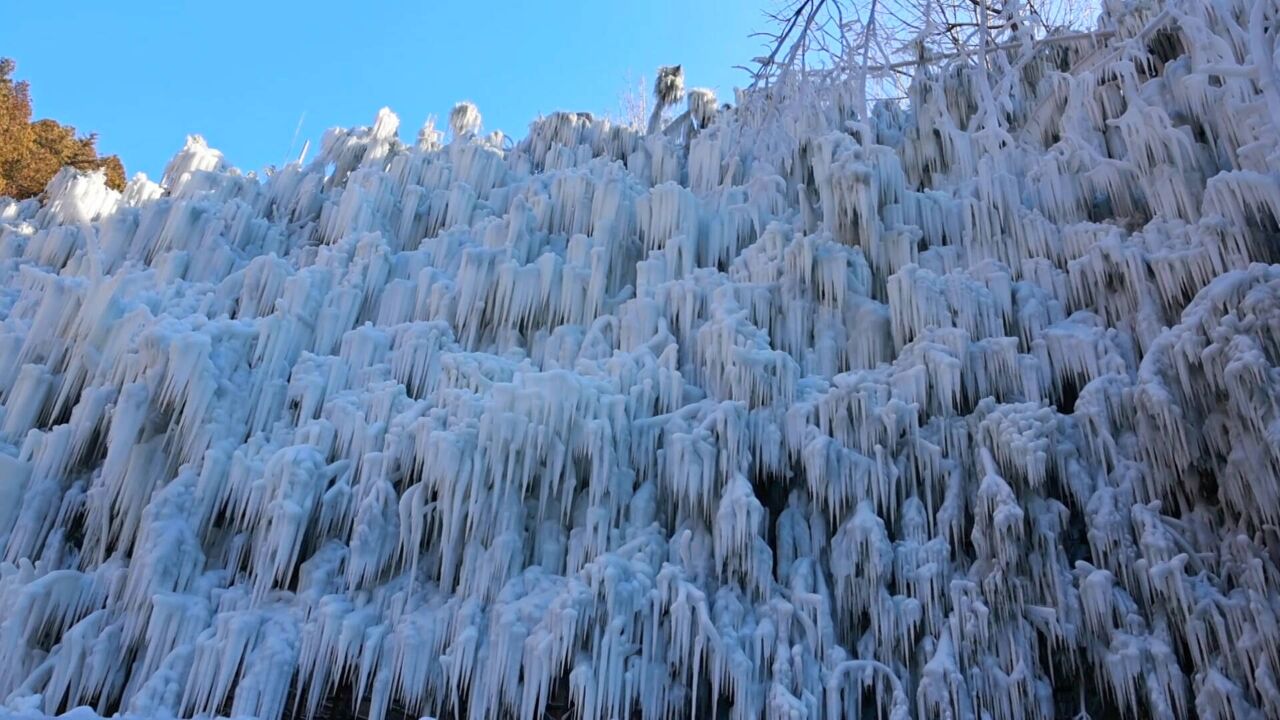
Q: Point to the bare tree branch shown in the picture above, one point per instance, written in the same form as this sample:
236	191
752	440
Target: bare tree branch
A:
865	40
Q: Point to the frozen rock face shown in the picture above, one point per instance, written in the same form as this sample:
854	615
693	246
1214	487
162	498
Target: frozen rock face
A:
968	409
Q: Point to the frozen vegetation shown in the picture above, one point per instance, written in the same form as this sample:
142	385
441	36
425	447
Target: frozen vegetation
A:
966	409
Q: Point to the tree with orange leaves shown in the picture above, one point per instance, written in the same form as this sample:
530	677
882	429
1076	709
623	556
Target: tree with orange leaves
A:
32	152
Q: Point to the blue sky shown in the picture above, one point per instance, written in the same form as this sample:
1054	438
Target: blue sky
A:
145	74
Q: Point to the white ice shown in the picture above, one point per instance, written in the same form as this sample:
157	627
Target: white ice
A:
959	410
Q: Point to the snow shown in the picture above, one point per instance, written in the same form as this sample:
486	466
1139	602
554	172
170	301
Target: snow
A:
963	409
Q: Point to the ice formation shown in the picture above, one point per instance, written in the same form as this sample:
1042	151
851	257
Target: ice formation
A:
966	409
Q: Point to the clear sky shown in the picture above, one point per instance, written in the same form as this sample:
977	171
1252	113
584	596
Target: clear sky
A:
143	73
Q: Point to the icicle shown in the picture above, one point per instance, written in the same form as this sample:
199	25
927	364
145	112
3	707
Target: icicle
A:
966	407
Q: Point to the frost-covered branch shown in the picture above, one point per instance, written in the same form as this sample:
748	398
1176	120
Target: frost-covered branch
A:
862	38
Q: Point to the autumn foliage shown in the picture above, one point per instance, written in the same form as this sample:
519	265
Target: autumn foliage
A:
32	152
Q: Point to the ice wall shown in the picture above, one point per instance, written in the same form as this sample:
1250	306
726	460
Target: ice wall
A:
968	409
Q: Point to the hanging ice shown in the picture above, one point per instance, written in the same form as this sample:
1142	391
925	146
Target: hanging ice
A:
957	410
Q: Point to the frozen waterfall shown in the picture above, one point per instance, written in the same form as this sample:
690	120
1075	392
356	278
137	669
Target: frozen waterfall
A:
967	409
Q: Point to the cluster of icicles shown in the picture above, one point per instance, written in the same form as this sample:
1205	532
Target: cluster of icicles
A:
968	409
